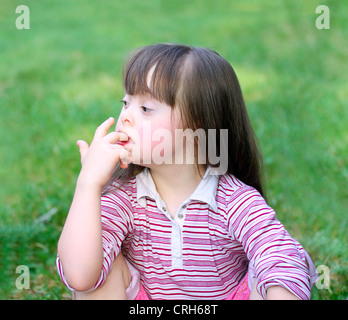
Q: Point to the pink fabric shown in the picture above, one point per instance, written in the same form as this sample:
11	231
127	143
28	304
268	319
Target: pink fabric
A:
141	294
241	292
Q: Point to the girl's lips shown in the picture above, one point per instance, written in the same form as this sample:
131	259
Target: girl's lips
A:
122	143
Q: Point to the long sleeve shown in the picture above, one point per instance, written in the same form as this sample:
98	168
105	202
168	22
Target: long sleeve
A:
117	222
276	258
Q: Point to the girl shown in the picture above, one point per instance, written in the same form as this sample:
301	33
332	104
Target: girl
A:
156	228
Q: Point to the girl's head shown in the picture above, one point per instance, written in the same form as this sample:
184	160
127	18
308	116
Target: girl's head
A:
202	87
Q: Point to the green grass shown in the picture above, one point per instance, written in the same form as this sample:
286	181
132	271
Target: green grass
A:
62	77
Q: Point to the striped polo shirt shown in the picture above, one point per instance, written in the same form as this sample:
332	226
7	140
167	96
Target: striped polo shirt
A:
223	228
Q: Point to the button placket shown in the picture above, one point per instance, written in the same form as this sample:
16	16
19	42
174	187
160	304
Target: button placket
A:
180	216
176	245
177	237
176	248
162	207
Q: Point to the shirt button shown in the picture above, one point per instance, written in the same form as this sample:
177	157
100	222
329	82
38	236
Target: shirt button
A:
164	209
180	215
184	206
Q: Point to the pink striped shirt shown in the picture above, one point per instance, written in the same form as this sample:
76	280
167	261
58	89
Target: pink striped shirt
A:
223	228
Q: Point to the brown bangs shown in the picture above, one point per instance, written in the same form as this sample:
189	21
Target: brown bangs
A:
166	62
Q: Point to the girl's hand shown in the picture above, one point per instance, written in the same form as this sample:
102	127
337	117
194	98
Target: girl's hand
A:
100	159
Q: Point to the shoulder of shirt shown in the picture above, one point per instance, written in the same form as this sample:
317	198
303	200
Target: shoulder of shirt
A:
232	189
129	189
239	199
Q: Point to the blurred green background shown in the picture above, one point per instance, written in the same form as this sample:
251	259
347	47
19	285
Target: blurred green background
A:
62	78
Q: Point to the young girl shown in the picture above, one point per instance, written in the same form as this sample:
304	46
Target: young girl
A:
147	223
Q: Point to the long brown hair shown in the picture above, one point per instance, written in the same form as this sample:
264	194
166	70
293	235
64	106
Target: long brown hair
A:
205	88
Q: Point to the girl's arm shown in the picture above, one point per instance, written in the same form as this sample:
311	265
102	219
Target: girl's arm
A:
279	293
280	263
80	245
273	293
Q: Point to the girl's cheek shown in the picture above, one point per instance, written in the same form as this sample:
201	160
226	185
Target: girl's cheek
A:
163	146
155	143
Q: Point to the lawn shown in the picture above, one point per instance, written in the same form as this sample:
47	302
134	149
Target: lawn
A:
62	77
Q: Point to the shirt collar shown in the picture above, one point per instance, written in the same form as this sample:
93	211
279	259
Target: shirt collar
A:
205	191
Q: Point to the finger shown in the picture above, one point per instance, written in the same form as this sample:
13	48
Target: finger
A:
83	147
114	137
123	165
125	157
102	130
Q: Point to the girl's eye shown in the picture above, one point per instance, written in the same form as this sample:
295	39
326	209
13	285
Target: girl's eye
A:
146	110
125	103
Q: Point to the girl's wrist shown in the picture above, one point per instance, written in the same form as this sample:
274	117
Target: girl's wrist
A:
88	182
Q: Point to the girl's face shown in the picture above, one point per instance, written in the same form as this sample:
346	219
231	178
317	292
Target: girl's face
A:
150	126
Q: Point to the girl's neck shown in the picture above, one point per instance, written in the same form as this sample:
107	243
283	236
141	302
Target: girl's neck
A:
175	183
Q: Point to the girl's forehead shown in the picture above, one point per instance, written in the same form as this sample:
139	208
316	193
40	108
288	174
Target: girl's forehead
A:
141	82
156	73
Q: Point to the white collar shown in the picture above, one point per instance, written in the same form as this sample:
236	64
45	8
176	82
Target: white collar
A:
205	191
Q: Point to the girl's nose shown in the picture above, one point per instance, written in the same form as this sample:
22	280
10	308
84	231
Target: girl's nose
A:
126	116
